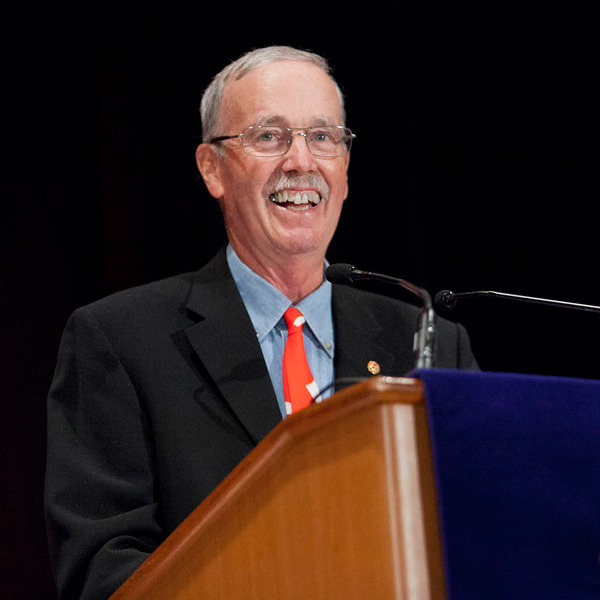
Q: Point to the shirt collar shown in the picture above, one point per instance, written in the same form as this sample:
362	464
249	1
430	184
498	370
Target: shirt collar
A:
317	311
266	304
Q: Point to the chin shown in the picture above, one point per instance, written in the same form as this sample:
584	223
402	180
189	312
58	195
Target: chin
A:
308	243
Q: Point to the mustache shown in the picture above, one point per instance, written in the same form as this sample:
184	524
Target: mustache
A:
280	180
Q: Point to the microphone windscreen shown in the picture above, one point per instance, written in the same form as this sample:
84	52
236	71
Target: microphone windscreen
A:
340	273
444	300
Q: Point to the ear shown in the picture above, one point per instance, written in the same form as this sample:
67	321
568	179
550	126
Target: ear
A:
209	165
347	160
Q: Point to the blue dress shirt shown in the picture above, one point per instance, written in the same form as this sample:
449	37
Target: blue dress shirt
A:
266	305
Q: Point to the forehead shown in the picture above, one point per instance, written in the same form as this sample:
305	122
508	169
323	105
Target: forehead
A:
294	93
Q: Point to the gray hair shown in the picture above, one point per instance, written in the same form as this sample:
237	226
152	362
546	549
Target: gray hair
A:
210	106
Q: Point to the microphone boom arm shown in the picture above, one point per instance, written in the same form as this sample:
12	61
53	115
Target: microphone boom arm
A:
424	341
446	300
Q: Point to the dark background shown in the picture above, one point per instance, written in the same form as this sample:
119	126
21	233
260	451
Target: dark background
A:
475	167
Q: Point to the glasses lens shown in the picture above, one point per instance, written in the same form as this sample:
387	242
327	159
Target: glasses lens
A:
265	141
329	140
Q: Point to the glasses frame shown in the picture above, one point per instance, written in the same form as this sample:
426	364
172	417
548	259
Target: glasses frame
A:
347	141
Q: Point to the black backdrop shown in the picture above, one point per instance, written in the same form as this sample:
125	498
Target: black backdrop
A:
475	167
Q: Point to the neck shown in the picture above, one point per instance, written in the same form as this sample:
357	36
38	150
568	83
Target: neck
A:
296	276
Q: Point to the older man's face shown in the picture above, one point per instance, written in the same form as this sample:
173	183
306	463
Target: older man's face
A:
250	188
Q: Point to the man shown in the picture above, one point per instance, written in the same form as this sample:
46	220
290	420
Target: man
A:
161	390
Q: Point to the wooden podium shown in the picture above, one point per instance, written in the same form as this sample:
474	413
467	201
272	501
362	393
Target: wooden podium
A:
337	502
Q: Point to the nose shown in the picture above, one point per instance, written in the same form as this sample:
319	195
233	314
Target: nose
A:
298	157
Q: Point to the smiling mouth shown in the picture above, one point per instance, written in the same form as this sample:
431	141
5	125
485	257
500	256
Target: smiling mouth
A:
304	200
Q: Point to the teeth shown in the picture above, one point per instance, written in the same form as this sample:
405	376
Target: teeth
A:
299	199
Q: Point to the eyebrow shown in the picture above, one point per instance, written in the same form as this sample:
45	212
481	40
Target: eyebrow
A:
281	120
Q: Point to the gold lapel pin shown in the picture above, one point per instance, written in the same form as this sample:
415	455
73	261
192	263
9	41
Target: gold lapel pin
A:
373	367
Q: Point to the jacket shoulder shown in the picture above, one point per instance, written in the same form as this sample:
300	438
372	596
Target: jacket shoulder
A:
156	299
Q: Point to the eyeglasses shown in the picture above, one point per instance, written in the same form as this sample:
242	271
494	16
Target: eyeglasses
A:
327	141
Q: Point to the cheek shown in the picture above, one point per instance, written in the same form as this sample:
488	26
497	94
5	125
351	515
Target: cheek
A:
339	183
245	180
243	203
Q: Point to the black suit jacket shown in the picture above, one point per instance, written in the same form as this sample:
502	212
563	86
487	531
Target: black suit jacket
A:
158	394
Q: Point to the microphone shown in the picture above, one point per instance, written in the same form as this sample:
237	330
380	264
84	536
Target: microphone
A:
446	300
345	274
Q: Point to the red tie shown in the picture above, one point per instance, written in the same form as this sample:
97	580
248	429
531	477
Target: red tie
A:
299	386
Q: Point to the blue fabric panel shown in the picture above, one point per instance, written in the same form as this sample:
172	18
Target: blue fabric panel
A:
517	462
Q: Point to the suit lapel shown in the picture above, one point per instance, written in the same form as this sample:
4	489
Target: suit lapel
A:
226	344
358	336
